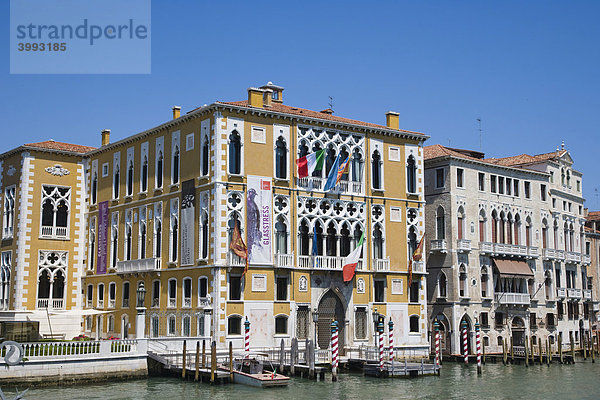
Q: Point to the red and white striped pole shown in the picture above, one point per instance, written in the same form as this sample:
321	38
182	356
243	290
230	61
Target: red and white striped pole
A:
436	326
334	350
247	338
478	345
380	329
391	339
465	342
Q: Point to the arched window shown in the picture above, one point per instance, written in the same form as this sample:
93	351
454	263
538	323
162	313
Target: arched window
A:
462	281
101	295
154	322
187	292
125	302
280	159
528	230
440	223
319	235
555	235
343	157
484	283
171	325
112	294
562	176
159	170
175	170
331	240
412	241
115	245
186	325
357	166
442	285
155	294
460	223
482	232
281	236
205	156
517	229
128	242
509	229
317	173
116	181
494	227
144	180
55	211
502	228
544	233
172	292
414	324
174	236
92	244
376	170
548	284
204	232
344	240
203	287
235	153
330	159
234	325
130	179
143	238
568	178
377	242
303	149
95	188
304	238
411	175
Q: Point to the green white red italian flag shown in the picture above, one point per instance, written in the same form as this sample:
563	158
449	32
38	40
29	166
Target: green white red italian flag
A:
351	260
310	163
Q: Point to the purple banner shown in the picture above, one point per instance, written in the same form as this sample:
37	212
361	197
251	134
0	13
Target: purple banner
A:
102	237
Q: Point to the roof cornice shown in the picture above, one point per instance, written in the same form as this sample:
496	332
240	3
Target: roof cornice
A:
485	164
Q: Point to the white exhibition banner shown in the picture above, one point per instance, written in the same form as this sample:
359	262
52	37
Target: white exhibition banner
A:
259	229
188	199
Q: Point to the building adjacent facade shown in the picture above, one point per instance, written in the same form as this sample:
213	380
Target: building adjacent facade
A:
505	244
592	250
163	205
43	212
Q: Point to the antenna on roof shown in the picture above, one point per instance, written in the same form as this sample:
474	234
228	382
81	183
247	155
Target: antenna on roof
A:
331	103
480	134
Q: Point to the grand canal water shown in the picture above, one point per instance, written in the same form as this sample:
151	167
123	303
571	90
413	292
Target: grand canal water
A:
579	381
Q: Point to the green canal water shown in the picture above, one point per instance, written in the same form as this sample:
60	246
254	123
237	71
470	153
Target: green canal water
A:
579	381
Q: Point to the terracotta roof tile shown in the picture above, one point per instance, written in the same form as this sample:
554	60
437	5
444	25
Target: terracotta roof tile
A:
522	159
61	146
282	108
437	150
593	216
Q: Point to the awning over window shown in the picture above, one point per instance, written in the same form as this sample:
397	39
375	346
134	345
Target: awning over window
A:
510	268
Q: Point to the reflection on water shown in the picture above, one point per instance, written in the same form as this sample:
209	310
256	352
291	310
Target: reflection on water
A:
579	381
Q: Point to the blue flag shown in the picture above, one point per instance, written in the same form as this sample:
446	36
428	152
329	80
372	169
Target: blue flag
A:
315	248
332	177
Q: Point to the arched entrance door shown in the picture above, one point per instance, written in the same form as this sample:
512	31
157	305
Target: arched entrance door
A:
518	331
444	335
469	333
330	308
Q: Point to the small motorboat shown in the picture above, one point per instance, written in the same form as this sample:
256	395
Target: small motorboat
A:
252	370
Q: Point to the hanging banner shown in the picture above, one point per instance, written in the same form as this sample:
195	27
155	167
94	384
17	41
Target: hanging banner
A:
259	200
102	261
188	198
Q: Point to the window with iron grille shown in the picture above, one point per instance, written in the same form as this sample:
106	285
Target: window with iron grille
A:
302	321
360	323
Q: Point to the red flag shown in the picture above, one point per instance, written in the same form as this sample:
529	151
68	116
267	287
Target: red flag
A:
416	256
238	246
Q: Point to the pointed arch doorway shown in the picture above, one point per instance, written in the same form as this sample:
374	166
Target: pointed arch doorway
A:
331	308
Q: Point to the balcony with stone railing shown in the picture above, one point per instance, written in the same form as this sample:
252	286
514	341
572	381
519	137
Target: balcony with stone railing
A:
586	259
504	249
512	298
51	304
54	232
561	293
381	264
573	293
439	245
463	245
324	263
572	257
533	252
138	266
311	183
284	260
553	254
234	260
587	294
418	267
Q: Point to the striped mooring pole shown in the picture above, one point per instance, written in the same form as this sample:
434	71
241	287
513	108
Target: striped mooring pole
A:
334	350
380	330
391	339
465	342
478	346
436	328
247	338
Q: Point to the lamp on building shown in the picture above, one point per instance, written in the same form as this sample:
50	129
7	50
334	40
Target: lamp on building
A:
315	315
140	320
375	315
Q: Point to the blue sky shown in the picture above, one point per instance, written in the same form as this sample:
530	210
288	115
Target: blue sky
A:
529	70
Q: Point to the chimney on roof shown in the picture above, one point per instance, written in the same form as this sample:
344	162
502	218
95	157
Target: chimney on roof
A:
327	111
176	112
562	145
276	92
392	120
267	97
255	97
105	137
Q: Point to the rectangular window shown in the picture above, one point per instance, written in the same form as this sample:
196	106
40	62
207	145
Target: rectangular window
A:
302	322
493	183
543	192
414	291
532	321
187	292
234	325
203	287
172	293
126	295
481	181
281	325
201	325
460	177
379	286
560	310
105	168
508	186
156	294
579	186
439	178
499	319
501	185
484	320
112	295
527	188
516	187
90	296
282	288
360	323
101	295
235	288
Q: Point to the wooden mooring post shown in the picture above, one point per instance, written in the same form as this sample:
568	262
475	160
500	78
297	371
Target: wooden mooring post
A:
213	361
572	346
282	356
504	355
526	353
184	360
548	352
512	353
203	353
540	350
197	372
560	354
584	346
592	348
532	348
293	356
311	356
231	362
